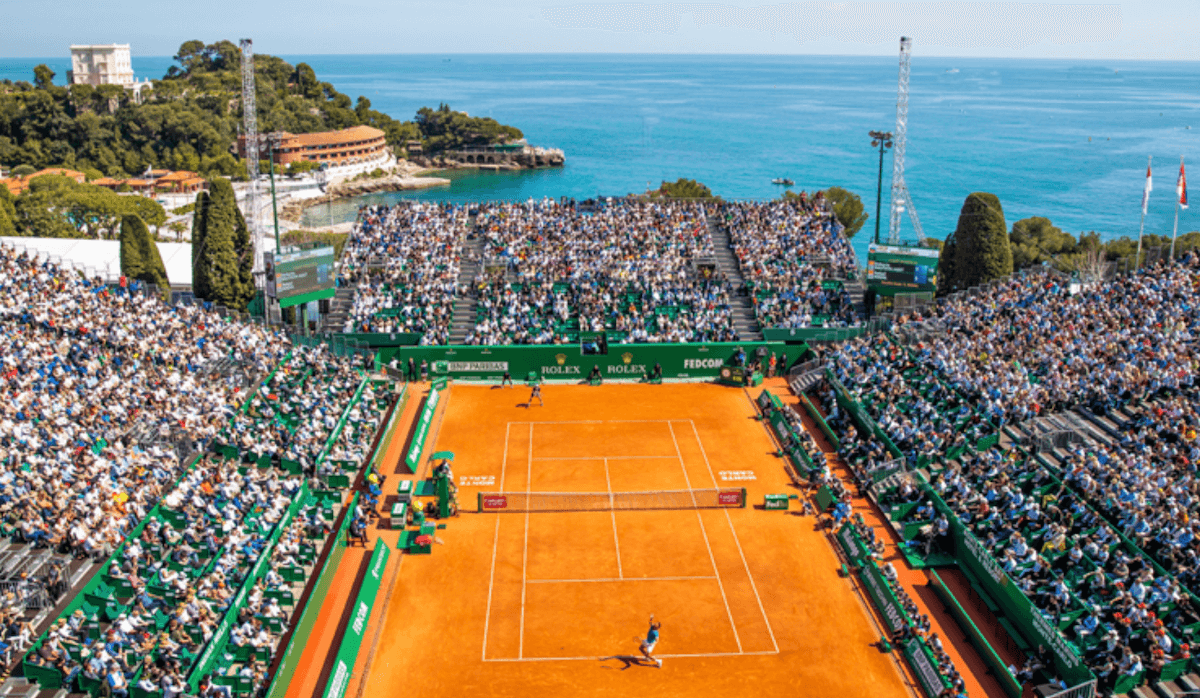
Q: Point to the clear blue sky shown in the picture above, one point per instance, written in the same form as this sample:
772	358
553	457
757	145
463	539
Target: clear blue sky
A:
1134	29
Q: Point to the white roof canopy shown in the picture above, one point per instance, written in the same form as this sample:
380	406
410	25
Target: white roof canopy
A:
103	257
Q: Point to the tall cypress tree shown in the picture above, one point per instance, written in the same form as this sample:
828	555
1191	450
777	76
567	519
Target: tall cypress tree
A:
140	258
200	284
244	248
216	269
947	266
983	252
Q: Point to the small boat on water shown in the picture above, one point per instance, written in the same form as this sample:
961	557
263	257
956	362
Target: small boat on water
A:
783	180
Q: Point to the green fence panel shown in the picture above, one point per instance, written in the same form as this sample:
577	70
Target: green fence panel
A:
820	420
568	362
922	662
811	334
216	645
883	598
413	458
1014	605
312	609
351	641
996	665
859	414
855	550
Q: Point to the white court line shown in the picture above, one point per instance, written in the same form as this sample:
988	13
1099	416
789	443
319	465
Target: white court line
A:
616	579
703	532
525	552
598	658
605	457
604	421
753	586
495	546
612	511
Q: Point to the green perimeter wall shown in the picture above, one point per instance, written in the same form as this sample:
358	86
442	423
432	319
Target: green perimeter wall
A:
568	362
312	609
797	335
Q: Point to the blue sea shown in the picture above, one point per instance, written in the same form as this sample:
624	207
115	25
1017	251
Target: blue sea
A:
1065	139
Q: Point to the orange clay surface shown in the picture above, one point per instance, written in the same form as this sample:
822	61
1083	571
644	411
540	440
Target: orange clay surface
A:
555	604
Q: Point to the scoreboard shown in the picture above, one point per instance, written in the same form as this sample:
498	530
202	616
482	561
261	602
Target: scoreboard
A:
301	275
892	269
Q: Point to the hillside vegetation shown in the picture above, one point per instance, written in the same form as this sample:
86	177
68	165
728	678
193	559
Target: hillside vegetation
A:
190	120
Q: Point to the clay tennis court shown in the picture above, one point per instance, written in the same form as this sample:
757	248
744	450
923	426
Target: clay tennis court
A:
516	602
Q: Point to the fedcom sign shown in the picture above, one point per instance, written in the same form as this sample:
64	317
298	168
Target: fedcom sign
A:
703	363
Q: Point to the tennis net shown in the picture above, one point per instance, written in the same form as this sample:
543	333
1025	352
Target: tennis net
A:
607	501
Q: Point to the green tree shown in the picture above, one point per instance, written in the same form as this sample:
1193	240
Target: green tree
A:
23	171
220	270
684	189
140	258
982	251
847	208
43	77
82	210
8	213
947	275
1035	240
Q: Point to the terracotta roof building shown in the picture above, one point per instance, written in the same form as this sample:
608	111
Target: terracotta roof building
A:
17	185
350	145
159	181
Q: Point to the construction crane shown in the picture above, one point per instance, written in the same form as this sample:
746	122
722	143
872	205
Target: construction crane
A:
250	128
901	199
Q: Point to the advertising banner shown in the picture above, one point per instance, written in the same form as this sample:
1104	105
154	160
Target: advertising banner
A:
413	459
339	677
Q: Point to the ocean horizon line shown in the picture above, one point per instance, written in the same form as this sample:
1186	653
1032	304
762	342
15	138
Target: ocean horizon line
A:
681	54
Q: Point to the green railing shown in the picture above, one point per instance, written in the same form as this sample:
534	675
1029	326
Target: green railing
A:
569	363
351	641
311	607
995	663
413	458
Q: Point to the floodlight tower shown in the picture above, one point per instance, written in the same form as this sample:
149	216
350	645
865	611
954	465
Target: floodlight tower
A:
250	128
901	199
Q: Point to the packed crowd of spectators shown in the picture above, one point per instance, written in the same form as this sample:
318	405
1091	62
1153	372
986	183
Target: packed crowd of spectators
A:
922	416
1029	344
183	573
404	262
1122	616
294	413
640	270
550	271
778	245
79	362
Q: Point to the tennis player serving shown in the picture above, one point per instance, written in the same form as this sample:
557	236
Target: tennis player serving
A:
651	640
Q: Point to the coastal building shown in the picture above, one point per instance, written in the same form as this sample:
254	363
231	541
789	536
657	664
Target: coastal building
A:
514	155
17	185
357	144
156	182
150	183
104	64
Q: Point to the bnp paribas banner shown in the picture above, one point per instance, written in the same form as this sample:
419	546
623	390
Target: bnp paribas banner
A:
571	363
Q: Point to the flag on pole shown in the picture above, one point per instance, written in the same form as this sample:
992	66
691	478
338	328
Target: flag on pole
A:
1146	191
1181	186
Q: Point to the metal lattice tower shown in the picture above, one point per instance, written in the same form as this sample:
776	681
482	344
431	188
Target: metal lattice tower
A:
250	127
900	196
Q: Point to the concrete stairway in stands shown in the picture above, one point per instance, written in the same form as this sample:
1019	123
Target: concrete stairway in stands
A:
744	321
463	319
339	308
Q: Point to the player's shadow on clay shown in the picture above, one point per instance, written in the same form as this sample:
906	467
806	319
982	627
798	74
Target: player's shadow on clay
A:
629	660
